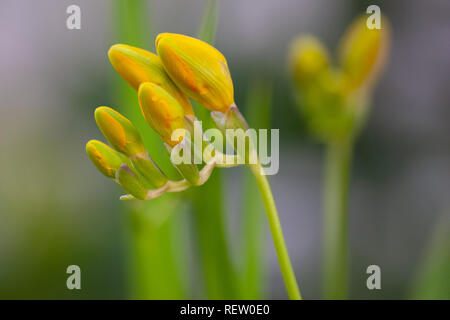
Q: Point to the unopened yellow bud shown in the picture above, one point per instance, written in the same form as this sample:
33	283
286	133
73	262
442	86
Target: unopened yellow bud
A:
198	69
106	159
136	66
162	111
119	131
308	58
363	52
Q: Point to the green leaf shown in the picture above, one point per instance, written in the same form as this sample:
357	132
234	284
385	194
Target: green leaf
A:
432	279
258	107
156	235
208	27
220	278
157	252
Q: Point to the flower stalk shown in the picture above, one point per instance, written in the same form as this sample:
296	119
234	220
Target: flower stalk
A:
336	193
277	234
233	119
254	231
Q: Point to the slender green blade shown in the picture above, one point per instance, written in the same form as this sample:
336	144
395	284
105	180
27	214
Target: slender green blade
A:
220	279
432	280
157	265
254	229
156	250
208	27
132	28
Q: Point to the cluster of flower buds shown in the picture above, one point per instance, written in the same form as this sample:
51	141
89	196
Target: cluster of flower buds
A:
183	68
334	98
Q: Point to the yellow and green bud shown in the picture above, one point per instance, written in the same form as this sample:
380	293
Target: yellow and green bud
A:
198	69
136	66
119	131
308	59
131	182
363	52
162	112
106	159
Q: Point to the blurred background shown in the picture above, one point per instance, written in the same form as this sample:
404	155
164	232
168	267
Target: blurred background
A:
57	210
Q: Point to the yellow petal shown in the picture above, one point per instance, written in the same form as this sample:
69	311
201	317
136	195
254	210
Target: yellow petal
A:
198	69
119	131
162	111
363	52
106	159
136	66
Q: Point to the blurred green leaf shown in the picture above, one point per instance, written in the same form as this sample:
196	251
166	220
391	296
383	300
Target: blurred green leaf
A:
209	207
258	107
131	20
433	280
158	253
208	27
157	268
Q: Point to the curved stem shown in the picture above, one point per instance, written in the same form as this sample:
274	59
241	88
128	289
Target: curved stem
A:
277	233
337	173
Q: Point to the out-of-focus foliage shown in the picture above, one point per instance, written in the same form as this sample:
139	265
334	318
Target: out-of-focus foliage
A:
432	279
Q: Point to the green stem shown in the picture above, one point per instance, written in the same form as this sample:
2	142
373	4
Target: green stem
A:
253	244
156	263
258	106
156	250
219	273
337	176
277	234
216	261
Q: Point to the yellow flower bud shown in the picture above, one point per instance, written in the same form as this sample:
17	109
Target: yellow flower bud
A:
198	69
119	131
106	159
162	111
308	58
363	52
136	66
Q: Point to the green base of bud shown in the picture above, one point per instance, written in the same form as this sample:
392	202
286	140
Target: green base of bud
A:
144	164
131	182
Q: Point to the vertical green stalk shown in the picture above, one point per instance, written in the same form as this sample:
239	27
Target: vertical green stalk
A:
220	278
208	27
208	204
234	120
258	108
155	249
336	251
277	234
431	280
253	234
154	233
